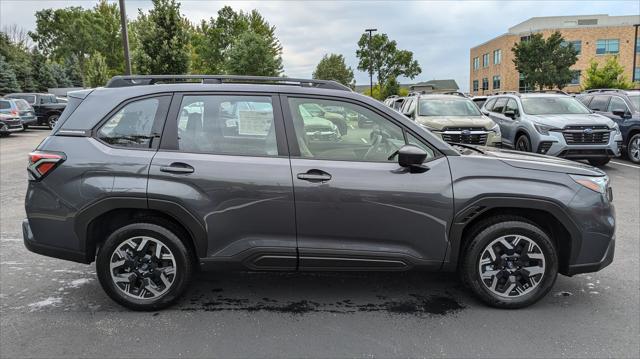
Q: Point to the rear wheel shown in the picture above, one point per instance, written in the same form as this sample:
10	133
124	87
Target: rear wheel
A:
52	120
633	148
509	263
144	266
599	162
523	143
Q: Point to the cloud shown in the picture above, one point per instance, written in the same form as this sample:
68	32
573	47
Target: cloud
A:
440	33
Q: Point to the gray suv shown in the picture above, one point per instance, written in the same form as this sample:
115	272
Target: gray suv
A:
554	124
155	177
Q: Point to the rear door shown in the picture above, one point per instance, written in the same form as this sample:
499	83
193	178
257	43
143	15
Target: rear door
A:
224	160
356	208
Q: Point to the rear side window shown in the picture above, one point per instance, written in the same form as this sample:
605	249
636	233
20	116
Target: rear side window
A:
4	105
500	104
227	124
599	103
22	105
132	125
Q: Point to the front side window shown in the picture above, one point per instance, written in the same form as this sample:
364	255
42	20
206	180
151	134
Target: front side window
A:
448	107
553	106
228	125
369	138
132	125
496	82
599	103
512	105
489	104
607	46
500	104
617	104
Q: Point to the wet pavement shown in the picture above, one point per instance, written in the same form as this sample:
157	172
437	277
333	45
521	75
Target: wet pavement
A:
53	308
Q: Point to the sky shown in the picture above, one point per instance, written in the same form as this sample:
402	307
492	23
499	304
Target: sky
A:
439	33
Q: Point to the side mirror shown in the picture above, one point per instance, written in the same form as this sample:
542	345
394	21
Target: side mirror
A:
411	157
510	113
622	114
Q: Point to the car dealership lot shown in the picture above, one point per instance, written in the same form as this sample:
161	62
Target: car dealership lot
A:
54	308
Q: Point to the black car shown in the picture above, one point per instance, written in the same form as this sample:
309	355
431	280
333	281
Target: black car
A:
152	192
623	107
47	106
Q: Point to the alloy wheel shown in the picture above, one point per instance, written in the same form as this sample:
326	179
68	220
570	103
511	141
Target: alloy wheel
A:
522	144
634	149
53	119
511	266
143	268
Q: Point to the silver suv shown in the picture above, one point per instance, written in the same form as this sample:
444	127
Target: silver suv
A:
554	124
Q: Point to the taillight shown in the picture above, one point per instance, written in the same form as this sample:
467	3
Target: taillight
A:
41	163
15	113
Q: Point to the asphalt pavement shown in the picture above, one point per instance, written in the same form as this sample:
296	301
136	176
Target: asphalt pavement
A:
53	308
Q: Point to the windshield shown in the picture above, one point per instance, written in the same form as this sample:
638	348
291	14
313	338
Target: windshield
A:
635	100
29	98
553	106
448	107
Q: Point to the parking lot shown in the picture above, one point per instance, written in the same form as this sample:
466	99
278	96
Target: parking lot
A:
54	308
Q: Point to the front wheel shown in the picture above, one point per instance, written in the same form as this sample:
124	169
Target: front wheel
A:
52	120
144	266
509	263
599	162
523	144
633	148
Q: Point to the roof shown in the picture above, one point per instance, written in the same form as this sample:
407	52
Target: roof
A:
575	21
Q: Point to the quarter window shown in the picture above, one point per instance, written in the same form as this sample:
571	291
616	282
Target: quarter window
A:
607	46
132	125
229	125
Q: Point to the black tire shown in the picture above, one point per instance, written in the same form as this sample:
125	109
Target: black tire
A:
25	127
599	162
183	269
52	120
484	233
633	149
523	143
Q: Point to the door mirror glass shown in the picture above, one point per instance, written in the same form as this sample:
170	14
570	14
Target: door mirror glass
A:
412	157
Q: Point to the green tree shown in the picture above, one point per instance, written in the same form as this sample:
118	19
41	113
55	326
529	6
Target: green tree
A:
17	56
376	92
8	82
42	72
382	57
333	67
162	40
610	75
60	75
97	73
109	41
252	54
392	87
545	63
73	71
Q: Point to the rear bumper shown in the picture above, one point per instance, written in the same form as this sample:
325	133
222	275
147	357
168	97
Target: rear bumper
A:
596	266
46	250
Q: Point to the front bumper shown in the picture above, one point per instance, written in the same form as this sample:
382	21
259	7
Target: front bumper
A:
607	259
554	144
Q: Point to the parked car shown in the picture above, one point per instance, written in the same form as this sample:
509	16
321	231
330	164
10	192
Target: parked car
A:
9	123
554	124
479	100
336	118
454	118
115	183
46	106
21	108
623	107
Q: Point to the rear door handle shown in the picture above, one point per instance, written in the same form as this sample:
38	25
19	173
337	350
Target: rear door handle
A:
314	176
177	167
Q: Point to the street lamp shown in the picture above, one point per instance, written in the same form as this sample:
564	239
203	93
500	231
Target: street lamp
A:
370	31
125	38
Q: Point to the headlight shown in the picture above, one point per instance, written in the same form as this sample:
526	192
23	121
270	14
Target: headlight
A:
616	128
544	129
596	184
496	129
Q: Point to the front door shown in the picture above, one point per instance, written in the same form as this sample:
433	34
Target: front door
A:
356	208
224	160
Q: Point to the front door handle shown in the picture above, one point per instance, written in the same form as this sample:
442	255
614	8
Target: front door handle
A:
177	167
314	176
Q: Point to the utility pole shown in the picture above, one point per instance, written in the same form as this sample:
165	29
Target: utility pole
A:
370	31
125	38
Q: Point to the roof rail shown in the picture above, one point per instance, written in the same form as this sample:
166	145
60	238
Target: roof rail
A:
137	80
505	93
560	92
603	90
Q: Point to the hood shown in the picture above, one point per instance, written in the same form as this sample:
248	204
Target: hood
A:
560	121
440	122
539	162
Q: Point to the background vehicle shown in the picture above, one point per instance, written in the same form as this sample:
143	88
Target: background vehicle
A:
454	118
18	107
623	107
479	100
46	106
554	124
336	118
154	204
9	123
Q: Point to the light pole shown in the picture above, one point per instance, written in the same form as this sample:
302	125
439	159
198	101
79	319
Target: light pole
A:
370	31
125	38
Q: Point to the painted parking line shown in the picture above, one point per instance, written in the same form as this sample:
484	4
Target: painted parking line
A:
625	164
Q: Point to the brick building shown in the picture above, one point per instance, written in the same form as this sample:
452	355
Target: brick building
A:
595	36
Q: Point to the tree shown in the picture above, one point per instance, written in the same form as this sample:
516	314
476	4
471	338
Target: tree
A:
611	75
162	40
8	82
333	67
109	43
252	54
376	92
97	73
42	73
73	71
17	56
383	58
392	87
60	75
545	63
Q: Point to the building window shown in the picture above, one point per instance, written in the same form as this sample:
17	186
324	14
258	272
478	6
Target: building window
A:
638	45
575	80
525	38
577	45
607	46
476	63
485	84
636	74
475	85
496	82
485	60
497	57
522	86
